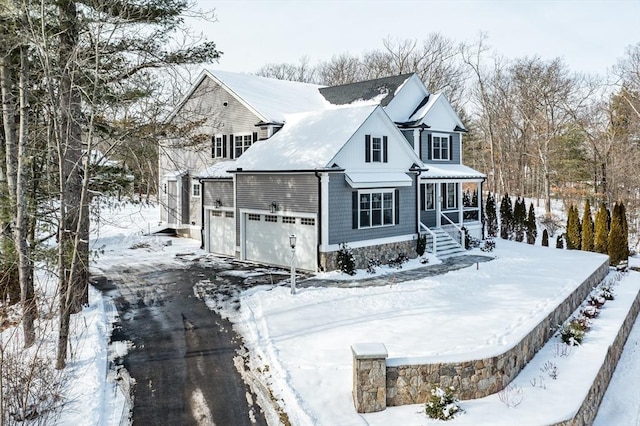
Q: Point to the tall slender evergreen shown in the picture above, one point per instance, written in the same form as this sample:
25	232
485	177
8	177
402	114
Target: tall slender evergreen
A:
617	250
545	238
587	228
573	229
601	234
519	219
532	228
506	218
491	217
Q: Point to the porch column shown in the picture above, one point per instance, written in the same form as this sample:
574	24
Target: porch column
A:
324	213
460	205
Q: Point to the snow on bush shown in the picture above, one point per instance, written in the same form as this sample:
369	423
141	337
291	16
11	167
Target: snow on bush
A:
442	404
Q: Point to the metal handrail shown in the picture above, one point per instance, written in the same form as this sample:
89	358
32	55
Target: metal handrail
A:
433	236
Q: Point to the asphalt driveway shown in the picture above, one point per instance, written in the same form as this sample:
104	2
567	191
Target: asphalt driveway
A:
183	354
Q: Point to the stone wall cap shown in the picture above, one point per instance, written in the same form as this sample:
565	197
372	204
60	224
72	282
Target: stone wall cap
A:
369	350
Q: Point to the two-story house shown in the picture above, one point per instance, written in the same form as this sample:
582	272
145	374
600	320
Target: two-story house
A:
372	164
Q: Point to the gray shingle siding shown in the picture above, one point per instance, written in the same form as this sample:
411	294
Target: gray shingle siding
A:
219	189
340	214
291	192
408	134
428	218
424	148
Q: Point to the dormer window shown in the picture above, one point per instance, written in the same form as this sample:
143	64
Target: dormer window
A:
441	147
375	149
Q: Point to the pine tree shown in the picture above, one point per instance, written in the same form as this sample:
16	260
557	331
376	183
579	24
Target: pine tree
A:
587	228
601	233
519	219
506	218
491	216
545	238
559	243
573	229
532	228
617	251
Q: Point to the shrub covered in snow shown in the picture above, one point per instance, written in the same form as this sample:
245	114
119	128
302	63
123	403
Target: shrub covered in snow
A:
346	260
421	244
488	245
573	333
590	311
606	293
442	404
397	261
372	264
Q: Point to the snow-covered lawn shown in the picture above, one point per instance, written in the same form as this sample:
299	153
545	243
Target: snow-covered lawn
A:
301	344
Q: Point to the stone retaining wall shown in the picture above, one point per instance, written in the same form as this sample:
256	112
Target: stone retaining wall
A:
589	409
382	252
411	384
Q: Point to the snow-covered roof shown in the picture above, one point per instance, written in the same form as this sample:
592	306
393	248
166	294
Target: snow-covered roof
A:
218	170
308	141
272	98
420	115
450	171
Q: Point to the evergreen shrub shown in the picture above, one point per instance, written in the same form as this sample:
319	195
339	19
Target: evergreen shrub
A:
442	404
345	259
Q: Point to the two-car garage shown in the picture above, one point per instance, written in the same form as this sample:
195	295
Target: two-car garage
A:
265	237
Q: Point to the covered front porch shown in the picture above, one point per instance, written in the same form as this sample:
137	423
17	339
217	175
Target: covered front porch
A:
453	206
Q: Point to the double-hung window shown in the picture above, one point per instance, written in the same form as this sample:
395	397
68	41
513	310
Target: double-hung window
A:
218	147
195	189
376	149
440	147
241	144
376	208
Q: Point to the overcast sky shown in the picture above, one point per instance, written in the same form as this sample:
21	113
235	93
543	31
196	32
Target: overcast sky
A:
589	34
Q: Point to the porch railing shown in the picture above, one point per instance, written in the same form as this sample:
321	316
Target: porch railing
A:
434	241
454	231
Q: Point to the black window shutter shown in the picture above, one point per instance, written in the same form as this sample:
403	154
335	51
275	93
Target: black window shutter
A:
232	148
423	195
354	210
213	146
429	147
450	147
255	136
397	206
367	148
384	149
224	146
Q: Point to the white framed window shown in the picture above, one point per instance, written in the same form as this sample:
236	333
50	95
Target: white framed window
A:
428	196
450	195
241	143
195	189
218	146
376	208
376	149
440	147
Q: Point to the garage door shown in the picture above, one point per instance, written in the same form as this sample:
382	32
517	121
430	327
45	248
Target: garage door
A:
267	239
222	236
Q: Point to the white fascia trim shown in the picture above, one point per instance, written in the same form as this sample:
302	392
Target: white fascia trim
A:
369	243
450	180
224	209
278	213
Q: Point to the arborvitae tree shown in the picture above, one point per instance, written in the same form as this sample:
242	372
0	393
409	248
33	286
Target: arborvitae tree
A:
519	219
532	228
573	229
587	228
601	233
559	243
545	238
617	250
491	216
506	218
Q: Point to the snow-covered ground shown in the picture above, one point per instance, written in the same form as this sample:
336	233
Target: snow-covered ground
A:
300	345
302	342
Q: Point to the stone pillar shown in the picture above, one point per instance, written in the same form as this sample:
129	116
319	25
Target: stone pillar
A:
369	377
